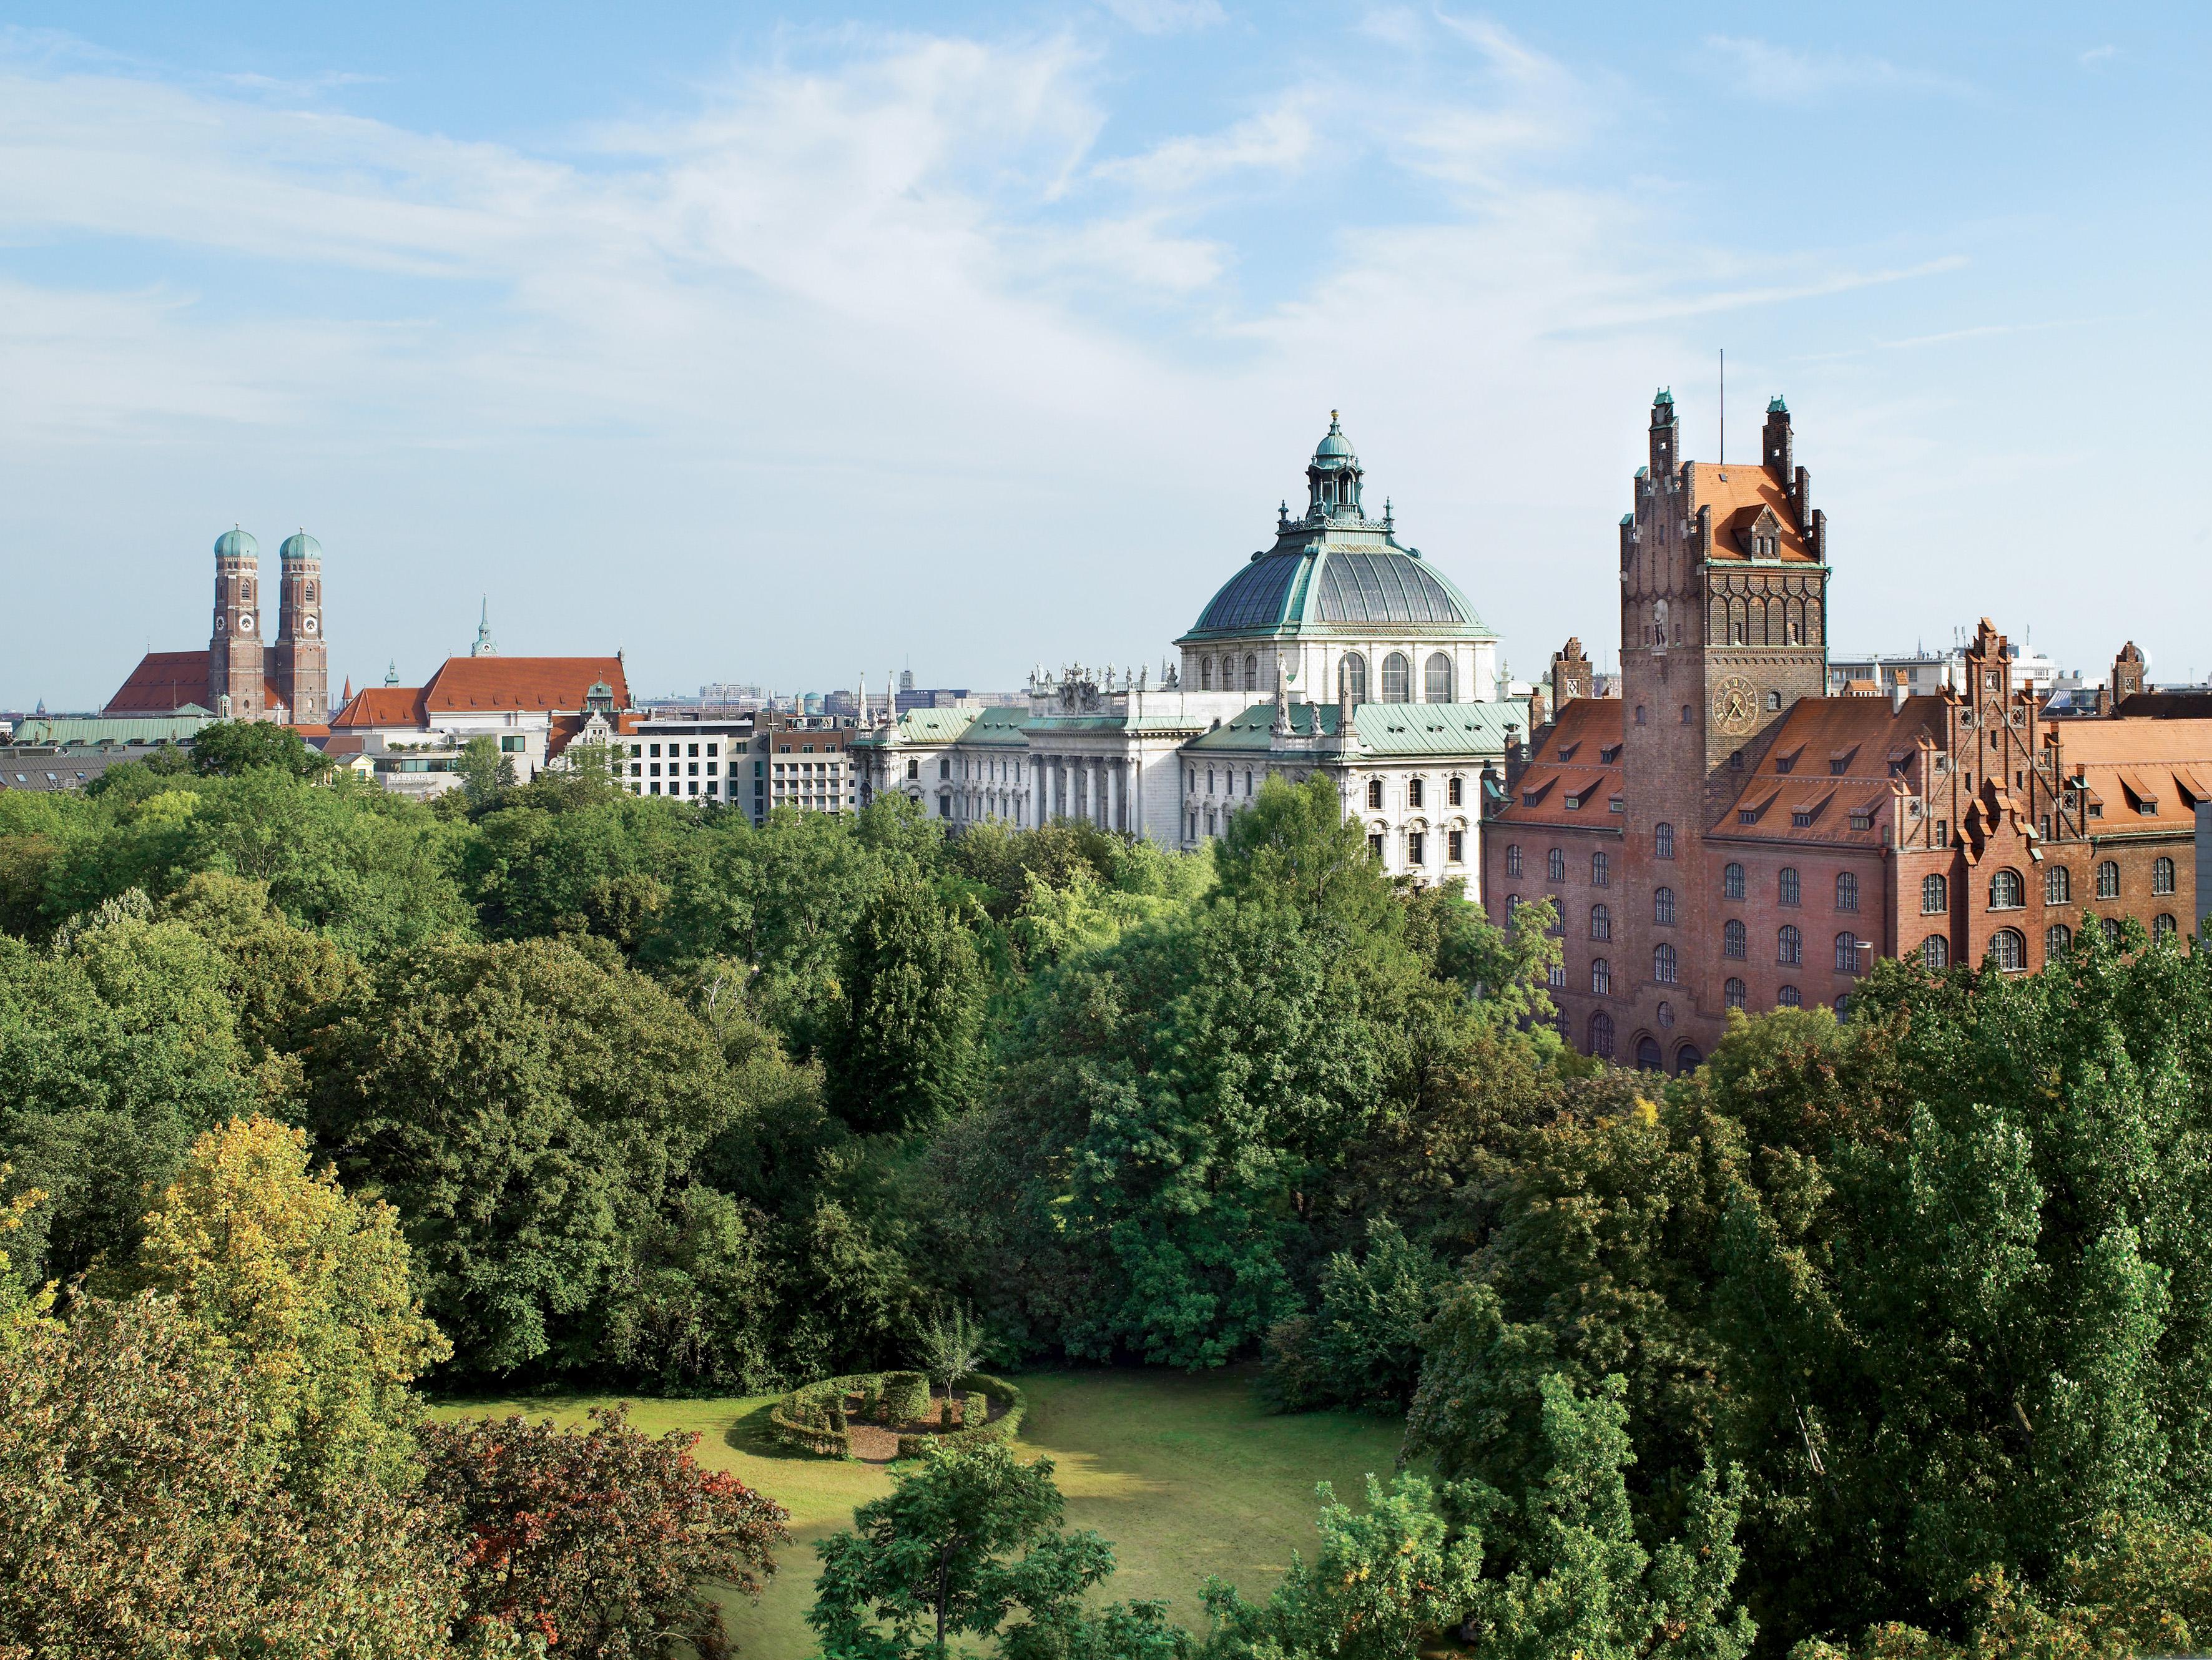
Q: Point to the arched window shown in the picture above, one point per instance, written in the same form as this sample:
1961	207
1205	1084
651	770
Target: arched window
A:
1662	841
2009	951
1662	906
2110	928
1787	886
1847	952
2108	880
1437	679
1251	672
1733	993
1600	1034
2006	891
1935	953
1735	939
1209	781
1601	922
1556	976
1847	891
1600	870
1686	714
1843	1005
1513	859
1352	674
2058	940
1397	678
2057	885
1773	704
1206	674
2163	926
1686	1059
1555	866
1789	998
2161	876
1647	1053
1788	945
1935	895
1639	715
1732	882
1600	976
1662	964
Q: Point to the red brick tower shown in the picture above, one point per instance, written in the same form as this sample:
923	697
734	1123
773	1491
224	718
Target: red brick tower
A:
1724	625
302	657
234	688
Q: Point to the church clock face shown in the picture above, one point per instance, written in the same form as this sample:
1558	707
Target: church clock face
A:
307	624
1735	704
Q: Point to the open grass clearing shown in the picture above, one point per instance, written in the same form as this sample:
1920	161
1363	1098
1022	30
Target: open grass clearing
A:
1187	1475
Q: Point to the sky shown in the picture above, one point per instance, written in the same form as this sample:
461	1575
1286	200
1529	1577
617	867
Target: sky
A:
795	345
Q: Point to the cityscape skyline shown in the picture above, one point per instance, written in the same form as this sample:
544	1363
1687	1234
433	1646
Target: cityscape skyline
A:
1014	326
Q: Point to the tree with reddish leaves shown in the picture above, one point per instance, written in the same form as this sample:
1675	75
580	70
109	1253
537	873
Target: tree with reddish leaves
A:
599	1540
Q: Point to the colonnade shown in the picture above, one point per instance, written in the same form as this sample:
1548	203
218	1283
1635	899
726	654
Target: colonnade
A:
1094	788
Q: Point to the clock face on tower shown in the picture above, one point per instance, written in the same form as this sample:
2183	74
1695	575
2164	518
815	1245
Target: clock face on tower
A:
245	623
1735	703
307	624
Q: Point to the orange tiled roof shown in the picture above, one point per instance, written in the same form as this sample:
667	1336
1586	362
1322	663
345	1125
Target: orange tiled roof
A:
557	684
163	682
2132	761
1738	493
1837	754
1579	760
381	706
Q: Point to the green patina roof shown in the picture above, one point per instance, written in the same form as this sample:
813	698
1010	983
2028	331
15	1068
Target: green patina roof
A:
1385	729
150	729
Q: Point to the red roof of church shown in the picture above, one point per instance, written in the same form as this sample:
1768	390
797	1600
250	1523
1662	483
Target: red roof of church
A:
163	682
167	681
522	683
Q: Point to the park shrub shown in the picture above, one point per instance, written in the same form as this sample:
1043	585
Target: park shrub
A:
813	1417
975	1409
986	1430
905	1396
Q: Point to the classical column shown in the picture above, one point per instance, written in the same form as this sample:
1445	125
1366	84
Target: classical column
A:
1113	794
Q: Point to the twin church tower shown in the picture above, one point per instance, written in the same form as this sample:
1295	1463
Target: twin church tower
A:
242	683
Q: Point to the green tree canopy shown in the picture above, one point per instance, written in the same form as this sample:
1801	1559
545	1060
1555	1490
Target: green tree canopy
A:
532	1114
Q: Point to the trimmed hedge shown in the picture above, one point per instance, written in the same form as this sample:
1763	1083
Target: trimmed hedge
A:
906	1396
813	1417
1000	1393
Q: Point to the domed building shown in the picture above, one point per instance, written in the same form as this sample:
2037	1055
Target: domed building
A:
1337	649
1344	604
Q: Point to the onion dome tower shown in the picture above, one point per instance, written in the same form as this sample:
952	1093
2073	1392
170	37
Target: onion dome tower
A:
234	679
303	677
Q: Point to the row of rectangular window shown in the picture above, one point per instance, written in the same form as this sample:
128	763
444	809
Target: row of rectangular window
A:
675	767
651	751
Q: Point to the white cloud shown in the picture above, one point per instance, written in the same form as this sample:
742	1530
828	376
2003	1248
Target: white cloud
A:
1277	140
1166	16
878	326
2096	55
1759	69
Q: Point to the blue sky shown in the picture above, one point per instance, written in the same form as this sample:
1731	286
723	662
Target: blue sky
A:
791	345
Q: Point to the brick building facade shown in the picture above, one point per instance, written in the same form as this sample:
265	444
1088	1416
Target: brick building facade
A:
1727	835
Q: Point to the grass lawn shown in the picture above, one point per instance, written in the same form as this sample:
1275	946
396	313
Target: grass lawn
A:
1187	1475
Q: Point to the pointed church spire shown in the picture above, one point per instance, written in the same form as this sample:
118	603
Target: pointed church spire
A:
483	646
392	673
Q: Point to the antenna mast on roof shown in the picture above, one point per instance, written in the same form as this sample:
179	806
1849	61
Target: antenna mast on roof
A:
1723	461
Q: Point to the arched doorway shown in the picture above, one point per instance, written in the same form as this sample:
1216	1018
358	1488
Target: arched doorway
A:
1687	1059
1647	1054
